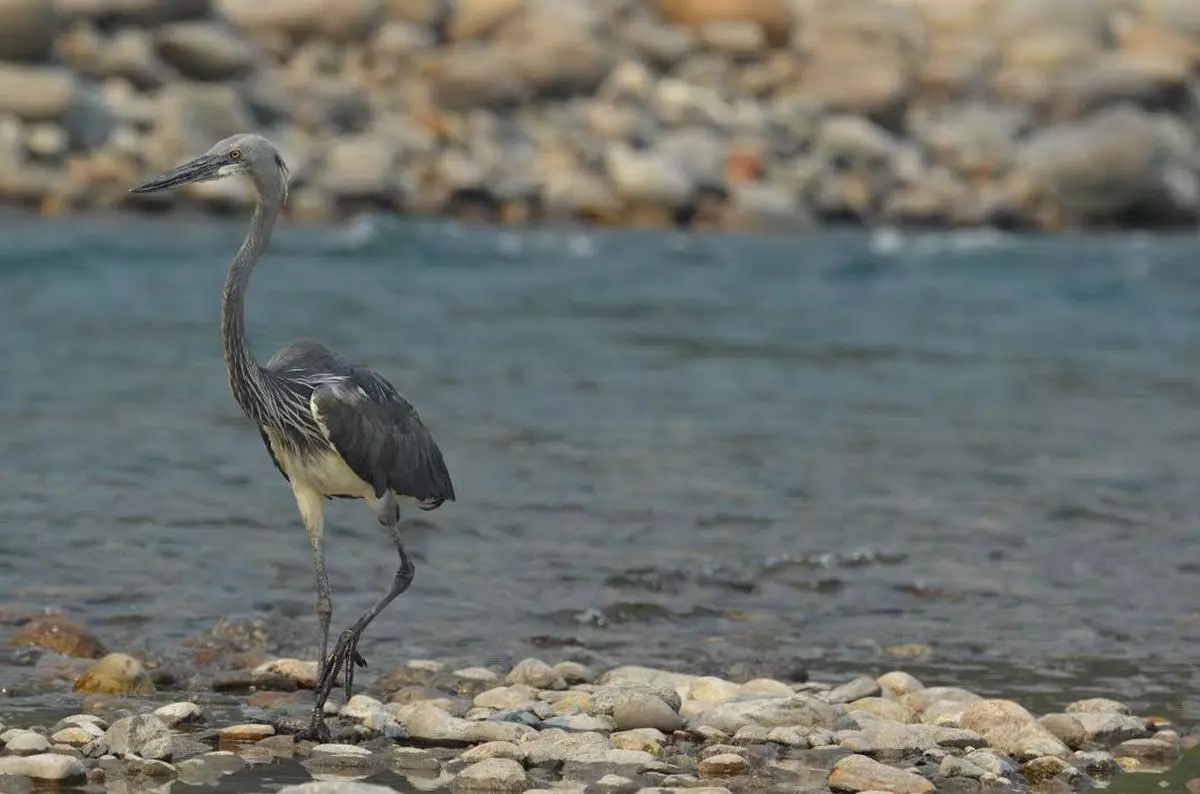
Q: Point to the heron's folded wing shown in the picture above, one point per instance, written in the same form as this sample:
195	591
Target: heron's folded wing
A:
381	438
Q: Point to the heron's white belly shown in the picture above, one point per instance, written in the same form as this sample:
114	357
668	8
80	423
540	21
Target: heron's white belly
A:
327	474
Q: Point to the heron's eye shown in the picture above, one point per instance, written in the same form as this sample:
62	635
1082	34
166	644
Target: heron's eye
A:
235	154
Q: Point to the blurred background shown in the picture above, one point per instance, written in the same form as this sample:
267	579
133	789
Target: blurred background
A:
887	357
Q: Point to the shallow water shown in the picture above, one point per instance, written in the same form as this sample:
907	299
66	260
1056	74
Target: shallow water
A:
714	453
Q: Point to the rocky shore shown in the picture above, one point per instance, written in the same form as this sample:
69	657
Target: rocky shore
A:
735	114
566	727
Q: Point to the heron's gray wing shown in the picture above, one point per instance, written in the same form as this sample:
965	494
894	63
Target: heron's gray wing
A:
381	437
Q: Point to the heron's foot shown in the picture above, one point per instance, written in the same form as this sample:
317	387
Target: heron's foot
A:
317	731
343	660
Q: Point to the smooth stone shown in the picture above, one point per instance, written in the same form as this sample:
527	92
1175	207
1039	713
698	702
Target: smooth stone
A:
575	673
181	713
1111	727
953	766
248	732
645	711
857	773
647	740
26	743
116	674
500	775
336	787
56	767
1046	768
580	748
1097	762
605	699
1103	705
417	760
1066	727
861	687
76	735
1008	726
581	723
789	737
884	708
709	689
130	735
302	673
517	696
360	707
425	721
770	712
536	674
1151	751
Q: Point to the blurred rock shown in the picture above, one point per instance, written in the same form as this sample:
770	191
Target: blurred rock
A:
773	17
1107	167
346	20
27	29
37	93
52	632
204	50
116	674
138	12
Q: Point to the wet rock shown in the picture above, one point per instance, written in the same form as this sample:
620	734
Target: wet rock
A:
302	673
1152	752
76	735
857	773
425	721
116	674
1039	771
992	762
130	735
491	775
204	50
1066	728
360	707
55	767
1096	762
182	713
953	766
770	712
342	756
1010	727
859	688
723	765
248	732
45	94
27	29
878	737
25	743
1111	727
536	674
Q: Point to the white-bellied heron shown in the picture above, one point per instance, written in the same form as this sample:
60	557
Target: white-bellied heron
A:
334	429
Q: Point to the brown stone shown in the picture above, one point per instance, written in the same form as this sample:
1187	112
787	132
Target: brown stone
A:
773	16
58	634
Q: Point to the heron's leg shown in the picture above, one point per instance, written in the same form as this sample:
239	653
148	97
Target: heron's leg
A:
345	652
312	511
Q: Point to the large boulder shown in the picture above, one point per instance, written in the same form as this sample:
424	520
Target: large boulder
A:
1119	164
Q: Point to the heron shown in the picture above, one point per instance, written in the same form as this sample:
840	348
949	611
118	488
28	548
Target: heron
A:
334	429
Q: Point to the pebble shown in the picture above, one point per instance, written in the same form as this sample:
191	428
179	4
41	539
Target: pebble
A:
249	732
859	688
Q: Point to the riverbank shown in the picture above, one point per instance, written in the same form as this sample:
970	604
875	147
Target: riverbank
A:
734	114
223	705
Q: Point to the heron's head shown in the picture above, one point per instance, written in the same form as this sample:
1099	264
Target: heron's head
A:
252	155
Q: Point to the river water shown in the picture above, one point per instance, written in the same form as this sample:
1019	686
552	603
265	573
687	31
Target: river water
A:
722	454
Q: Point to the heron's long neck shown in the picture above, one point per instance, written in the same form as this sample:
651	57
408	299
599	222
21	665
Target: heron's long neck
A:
245	376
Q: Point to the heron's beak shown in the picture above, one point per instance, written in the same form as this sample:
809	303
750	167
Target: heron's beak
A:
202	169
